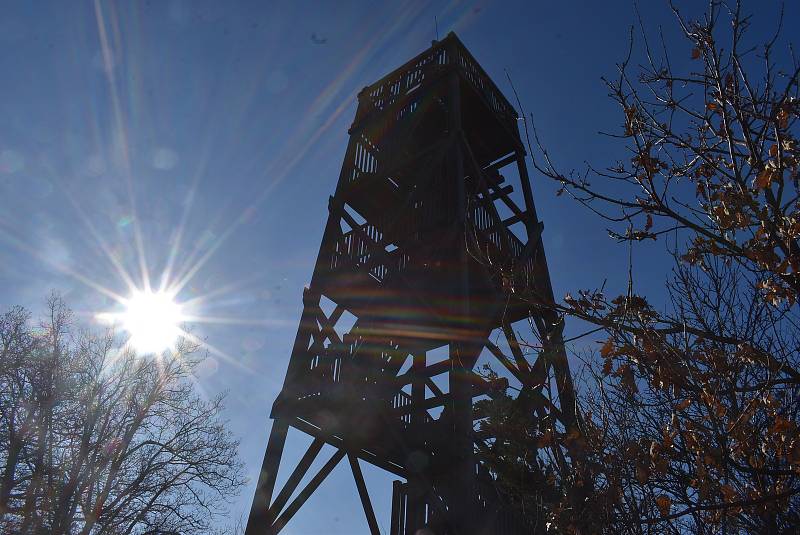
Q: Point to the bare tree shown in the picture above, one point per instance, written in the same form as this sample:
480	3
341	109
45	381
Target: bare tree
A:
94	439
690	408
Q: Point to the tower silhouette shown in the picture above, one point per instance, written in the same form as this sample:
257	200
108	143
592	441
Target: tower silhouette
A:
429	257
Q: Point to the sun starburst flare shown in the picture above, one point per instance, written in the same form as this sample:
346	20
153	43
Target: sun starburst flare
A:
153	321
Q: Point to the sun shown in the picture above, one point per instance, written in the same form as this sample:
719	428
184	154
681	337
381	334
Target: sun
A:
152	320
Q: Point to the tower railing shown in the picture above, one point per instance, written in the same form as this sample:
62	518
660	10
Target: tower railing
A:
449	52
363	248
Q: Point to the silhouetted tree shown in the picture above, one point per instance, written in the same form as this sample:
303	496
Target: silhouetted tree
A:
691	406
96	440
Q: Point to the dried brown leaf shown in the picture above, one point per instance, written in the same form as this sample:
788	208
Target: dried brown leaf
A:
663	503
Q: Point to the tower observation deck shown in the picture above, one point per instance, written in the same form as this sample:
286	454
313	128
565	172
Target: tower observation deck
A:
431	252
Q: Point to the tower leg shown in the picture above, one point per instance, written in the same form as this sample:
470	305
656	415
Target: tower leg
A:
397	526
461	481
260	522
417	487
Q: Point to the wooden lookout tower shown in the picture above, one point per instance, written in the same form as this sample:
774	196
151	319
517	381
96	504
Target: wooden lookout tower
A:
429	256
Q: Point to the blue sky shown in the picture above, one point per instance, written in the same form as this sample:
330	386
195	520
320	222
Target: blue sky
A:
122	123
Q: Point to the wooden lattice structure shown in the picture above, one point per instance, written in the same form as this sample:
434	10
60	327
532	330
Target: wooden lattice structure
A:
425	250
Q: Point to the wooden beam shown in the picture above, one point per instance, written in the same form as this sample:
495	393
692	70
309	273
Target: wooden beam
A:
431	370
514	219
516	350
435	389
480	386
294	479
499	355
259	520
509	202
364	495
327	325
498	193
502	163
337	441
309	489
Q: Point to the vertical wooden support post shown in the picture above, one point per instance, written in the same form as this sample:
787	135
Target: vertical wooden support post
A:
461	480
398	524
417	486
462	477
